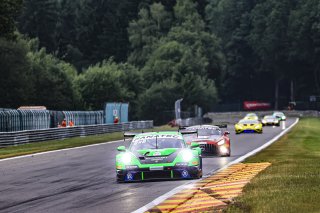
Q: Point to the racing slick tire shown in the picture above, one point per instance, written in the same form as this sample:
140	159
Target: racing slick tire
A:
201	171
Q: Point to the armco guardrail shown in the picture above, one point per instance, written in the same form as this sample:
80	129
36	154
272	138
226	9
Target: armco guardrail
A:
22	137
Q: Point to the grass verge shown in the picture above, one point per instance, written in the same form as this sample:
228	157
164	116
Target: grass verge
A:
292	182
31	148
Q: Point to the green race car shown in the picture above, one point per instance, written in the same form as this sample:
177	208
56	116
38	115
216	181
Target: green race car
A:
158	155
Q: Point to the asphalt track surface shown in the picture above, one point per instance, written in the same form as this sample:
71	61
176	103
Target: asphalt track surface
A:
83	180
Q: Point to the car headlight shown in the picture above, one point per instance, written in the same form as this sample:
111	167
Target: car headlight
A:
238	126
224	150
257	126
276	121
221	142
187	155
126	158
283	117
264	121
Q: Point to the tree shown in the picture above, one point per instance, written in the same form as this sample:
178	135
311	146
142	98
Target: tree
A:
180	63
102	83
144	33
54	82
231	21
16	81
39	19
9	9
304	47
133	81
269	38
101	29
158	98
66	33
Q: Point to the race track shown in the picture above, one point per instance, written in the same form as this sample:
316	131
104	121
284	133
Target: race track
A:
83	180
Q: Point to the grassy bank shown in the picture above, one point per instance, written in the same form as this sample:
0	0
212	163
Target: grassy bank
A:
32	148
292	182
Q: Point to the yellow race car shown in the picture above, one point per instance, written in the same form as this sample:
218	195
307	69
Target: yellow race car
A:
248	126
251	116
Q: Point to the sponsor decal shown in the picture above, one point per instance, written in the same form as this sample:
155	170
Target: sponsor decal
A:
184	174
156	159
203	127
129	176
158	136
156	168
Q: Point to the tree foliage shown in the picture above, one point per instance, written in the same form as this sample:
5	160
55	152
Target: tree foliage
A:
104	82
15	86
9	9
81	54
32	77
181	59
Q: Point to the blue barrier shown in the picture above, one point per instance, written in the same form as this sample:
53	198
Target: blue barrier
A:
119	110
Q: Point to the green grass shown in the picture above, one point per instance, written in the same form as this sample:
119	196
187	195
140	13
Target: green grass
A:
292	182
32	148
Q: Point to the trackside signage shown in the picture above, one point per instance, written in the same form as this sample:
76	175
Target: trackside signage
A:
256	105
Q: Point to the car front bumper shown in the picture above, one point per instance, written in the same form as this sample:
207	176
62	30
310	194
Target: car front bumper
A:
175	172
249	130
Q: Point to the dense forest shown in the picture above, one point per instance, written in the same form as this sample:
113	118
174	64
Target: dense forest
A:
80	54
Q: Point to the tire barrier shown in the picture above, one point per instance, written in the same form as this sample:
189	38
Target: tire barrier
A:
29	136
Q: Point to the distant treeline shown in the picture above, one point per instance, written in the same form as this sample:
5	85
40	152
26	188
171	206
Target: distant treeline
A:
79	54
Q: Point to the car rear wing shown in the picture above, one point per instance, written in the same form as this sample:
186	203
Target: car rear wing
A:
188	132
130	134
221	125
182	127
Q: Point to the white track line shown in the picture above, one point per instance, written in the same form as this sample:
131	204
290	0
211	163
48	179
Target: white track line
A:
160	199
60	150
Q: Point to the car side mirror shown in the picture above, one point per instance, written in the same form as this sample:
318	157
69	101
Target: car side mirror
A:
121	148
226	133
194	145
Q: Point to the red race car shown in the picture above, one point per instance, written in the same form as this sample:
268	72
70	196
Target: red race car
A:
211	139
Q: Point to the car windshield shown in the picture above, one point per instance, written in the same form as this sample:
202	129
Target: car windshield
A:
208	132
251	115
269	117
154	142
278	114
248	122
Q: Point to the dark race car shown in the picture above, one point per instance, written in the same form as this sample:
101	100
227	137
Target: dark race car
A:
211	139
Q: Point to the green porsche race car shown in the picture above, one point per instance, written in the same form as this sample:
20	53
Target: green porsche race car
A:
158	155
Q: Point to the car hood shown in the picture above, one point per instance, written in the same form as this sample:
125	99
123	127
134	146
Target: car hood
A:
156	152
